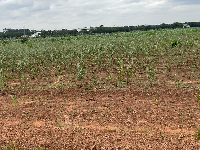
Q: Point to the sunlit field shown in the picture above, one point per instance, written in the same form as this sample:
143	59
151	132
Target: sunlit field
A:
102	60
94	84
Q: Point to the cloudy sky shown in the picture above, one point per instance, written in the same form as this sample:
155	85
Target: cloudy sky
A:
73	14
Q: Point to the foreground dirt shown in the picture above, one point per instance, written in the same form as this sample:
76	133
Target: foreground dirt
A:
101	119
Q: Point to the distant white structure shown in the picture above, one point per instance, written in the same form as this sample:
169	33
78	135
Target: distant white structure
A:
83	29
186	25
35	35
24	36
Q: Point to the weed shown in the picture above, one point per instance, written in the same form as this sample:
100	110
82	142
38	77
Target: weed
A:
174	42
9	146
197	135
14	99
179	83
145	130
80	128
151	72
59	124
180	136
129	110
124	133
162	135
107	105
198	96
80	71
2	79
129	72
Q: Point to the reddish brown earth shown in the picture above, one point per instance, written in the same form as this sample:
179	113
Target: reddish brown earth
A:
120	118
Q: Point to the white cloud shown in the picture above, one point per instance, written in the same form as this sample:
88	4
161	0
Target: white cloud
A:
15	4
184	2
154	4
51	14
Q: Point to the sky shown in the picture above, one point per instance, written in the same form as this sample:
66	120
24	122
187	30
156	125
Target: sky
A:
74	14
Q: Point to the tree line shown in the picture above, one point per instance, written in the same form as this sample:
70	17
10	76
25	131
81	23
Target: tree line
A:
16	33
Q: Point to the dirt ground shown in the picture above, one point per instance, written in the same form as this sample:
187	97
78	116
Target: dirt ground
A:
120	118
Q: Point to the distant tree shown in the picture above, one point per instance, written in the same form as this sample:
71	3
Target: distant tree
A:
163	26
44	33
193	24
177	25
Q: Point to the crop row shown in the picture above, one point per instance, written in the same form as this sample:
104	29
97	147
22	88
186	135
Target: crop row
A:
117	59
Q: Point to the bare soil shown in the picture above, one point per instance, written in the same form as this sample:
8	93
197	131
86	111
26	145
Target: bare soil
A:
118	118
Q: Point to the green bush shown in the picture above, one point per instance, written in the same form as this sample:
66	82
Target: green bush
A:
174	43
24	40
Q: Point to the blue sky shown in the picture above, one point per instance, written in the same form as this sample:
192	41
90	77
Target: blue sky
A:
73	14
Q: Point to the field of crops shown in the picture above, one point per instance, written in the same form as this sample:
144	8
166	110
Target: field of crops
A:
134	90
